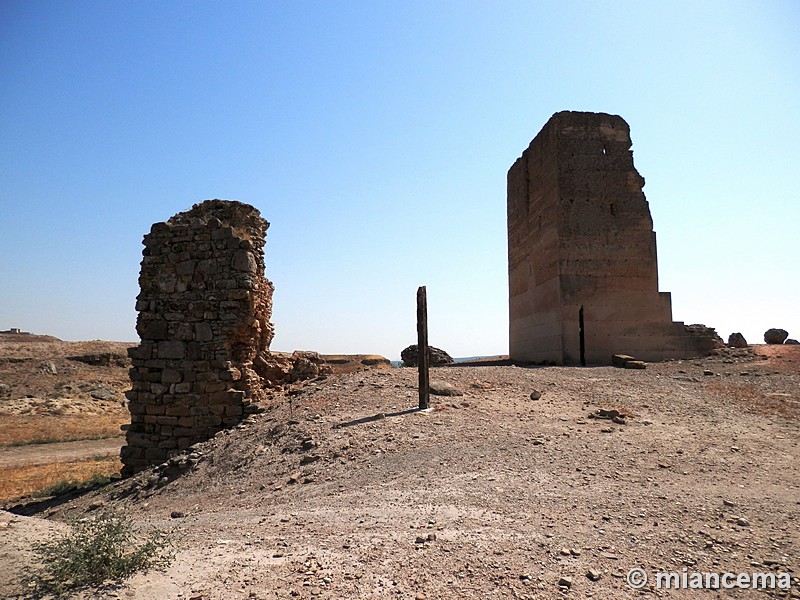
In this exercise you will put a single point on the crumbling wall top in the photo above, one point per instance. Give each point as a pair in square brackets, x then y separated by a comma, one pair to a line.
[231, 213]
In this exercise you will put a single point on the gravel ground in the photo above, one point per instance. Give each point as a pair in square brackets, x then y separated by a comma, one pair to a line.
[342, 490]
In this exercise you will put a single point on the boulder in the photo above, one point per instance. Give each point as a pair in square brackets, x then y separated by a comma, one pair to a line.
[438, 357]
[736, 340]
[49, 368]
[104, 392]
[791, 342]
[443, 388]
[775, 336]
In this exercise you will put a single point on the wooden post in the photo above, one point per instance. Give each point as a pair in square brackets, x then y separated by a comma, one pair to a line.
[423, 360]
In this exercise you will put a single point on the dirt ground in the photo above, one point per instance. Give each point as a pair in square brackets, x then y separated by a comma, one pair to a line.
[47, 377]
[43, 454]
[342, 490]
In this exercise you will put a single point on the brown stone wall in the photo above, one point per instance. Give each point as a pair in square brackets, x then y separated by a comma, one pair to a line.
[580, 234]
[204, 318]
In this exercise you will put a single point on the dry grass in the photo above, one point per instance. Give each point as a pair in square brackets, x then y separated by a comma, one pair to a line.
[18, 430]
[16, 482]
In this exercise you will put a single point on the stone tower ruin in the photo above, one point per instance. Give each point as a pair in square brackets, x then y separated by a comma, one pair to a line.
[204, 319]
[583, 275]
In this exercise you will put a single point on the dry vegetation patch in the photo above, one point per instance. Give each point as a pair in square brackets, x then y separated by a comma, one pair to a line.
[53, 392]
[18, 430]
[750, 398]
[44, 480]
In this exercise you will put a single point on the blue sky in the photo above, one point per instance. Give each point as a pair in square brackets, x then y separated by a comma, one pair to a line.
[375, 136]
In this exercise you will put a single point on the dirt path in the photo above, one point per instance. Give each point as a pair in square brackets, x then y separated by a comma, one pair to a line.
[42, 454]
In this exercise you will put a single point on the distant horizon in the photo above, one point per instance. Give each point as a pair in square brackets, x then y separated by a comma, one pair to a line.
[390, 358]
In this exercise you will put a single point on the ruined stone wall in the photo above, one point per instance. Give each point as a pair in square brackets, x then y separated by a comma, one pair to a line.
[580, 234]
[204, 318]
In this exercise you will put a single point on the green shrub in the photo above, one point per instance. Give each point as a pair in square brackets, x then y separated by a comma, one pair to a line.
[97, 552]
[97, 480]
[66, 486]
[57, 489]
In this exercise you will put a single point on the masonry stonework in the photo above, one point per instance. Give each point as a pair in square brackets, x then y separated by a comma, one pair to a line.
[204, 318]
[582, 251]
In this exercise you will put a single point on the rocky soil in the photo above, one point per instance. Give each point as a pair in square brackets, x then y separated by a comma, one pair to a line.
[342, 490]
[43, 375]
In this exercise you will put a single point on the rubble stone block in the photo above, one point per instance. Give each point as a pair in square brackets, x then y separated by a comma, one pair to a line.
[171, 376]
[620, 360]
[244, 261]
[143, 351]
[635, 364]
[154, 330]
[155, 454]
[208, 421]
[171, 349]
[203, 332]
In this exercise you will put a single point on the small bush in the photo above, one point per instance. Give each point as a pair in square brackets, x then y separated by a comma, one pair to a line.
[97, 552]
[66, 486]
[57, 489]
[56, 478]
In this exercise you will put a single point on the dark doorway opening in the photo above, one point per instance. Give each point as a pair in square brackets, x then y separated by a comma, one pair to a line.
[581, 334]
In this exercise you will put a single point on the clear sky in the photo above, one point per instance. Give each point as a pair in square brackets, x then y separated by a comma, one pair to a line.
[375, 136]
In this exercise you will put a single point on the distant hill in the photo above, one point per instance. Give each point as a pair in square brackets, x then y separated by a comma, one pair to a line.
[23, 336]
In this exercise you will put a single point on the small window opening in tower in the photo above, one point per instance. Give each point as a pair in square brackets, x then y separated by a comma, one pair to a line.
[604, 151]
[613, 209]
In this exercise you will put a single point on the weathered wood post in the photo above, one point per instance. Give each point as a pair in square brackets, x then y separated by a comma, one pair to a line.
[423, 360]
